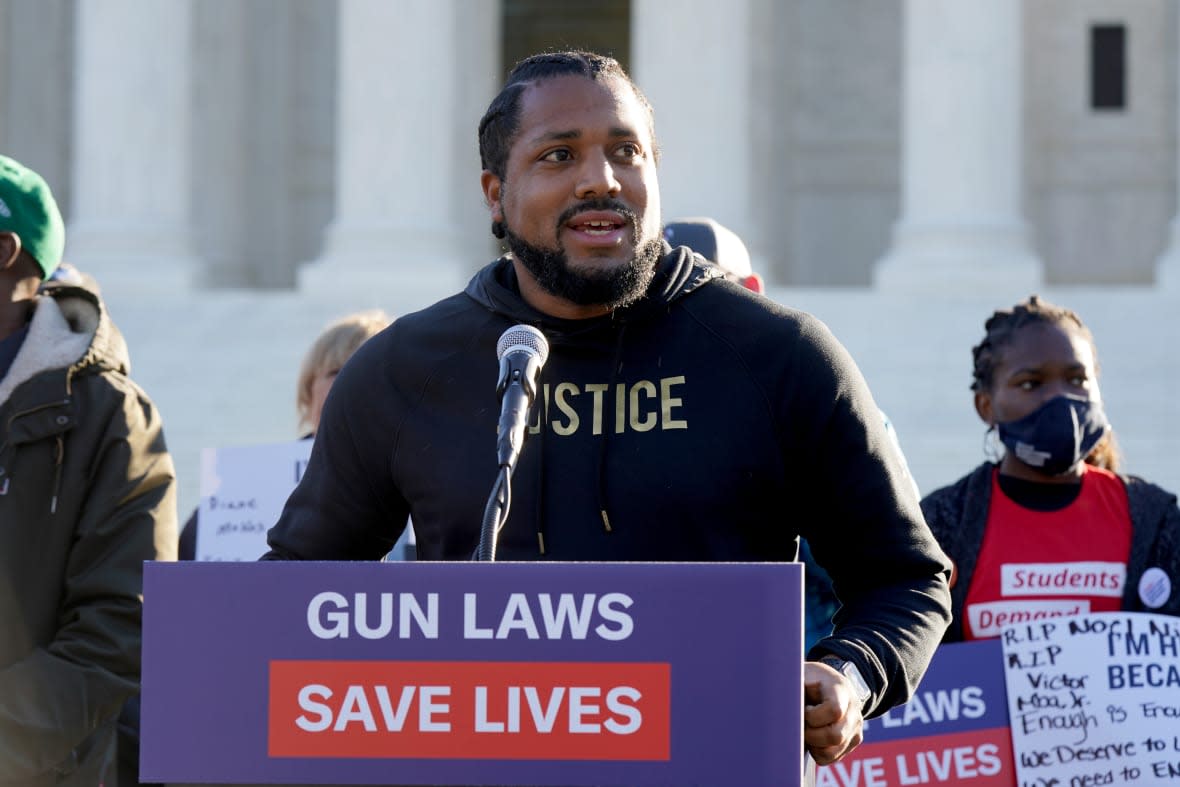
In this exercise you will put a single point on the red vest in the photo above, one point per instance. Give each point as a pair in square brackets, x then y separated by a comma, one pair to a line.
[1035, 565]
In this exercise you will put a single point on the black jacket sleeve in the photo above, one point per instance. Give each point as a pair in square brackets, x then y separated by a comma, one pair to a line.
[865, 526]
[346, 506]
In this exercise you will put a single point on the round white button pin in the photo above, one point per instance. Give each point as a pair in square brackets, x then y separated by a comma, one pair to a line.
[1155, 586]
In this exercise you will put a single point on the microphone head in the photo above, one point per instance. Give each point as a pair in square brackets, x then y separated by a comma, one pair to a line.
[523, 338]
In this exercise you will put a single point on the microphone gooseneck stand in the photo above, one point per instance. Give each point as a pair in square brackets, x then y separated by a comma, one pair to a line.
[522, 350]
[495, 514]
[514, 414]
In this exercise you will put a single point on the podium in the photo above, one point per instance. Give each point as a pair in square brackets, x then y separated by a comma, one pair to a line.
[472, 673]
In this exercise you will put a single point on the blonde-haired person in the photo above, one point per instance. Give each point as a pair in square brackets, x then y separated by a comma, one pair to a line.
[321, 363]
[326, 357]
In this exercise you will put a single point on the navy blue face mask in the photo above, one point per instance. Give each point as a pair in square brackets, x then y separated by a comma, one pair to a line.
[1057, 435]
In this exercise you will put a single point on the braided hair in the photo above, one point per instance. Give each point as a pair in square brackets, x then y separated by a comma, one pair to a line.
[498, 127]
[1001, 329]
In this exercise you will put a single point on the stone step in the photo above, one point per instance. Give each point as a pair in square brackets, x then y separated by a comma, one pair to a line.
[222, 365]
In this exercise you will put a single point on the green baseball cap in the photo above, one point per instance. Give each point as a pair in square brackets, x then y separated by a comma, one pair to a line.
[27, 208]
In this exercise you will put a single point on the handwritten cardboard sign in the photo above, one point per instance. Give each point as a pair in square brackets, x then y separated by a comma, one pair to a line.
[1095, 699]
[243, 490]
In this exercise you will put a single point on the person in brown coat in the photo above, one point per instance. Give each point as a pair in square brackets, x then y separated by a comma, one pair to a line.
[87, 493]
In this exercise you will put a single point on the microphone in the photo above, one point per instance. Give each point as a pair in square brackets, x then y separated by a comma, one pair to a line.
[522, 351]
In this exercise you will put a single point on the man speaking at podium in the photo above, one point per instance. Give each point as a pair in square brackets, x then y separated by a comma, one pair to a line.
[678, 417]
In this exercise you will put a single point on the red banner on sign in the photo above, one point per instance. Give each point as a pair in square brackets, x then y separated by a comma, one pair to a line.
[982, 758]
[471, 710]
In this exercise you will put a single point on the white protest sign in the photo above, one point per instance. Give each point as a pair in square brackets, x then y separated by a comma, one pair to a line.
[1095, 699]
[243, 489]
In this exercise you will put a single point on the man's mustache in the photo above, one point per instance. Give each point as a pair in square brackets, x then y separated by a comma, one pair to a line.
[603, 203]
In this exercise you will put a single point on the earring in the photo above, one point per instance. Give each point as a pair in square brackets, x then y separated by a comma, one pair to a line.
[992, 449]
[498, 229]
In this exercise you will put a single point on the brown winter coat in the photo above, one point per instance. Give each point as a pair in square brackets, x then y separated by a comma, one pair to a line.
[87, 493]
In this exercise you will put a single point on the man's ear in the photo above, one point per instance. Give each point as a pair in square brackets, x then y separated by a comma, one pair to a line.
[983, 406]
[9, 249]
[492, 186]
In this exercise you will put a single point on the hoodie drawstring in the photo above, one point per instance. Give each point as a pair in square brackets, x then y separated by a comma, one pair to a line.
[600, 478]
[615, 368]
[542, 416]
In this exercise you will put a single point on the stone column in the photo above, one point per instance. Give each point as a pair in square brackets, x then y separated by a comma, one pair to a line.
[37, 89]
[131, 208]
[1167, 267]
[961, 226]
[692, 58]
[395, 228]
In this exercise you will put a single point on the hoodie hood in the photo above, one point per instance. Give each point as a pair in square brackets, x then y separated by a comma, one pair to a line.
[679, 273]
[69, 331]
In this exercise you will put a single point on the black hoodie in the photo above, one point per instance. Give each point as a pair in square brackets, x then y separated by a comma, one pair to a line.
[703, 423]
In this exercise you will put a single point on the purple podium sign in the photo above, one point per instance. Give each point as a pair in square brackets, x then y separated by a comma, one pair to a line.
[954, 730]
[473, 673]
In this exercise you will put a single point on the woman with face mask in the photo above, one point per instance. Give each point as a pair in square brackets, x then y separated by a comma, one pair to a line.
[1048, 528]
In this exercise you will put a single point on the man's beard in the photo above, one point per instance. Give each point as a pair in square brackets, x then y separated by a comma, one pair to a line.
[613, 288]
